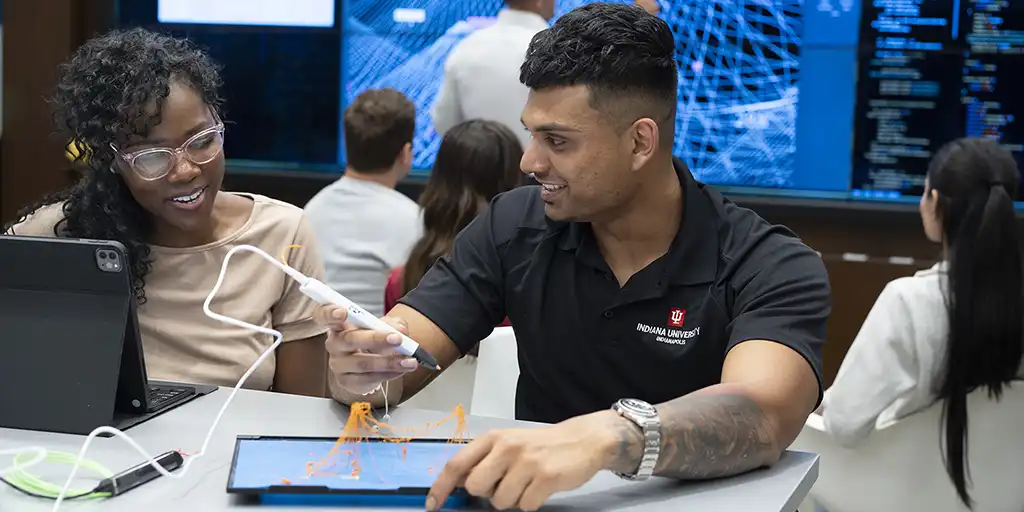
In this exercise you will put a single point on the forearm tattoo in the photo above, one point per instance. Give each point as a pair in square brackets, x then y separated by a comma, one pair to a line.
[704, 435]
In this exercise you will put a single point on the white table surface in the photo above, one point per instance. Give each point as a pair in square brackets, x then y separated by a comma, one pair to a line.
[777, 489]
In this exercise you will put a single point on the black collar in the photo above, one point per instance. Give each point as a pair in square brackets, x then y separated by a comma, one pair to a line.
[694, 254]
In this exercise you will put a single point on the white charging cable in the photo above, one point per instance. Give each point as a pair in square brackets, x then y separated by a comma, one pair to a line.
[294, 274]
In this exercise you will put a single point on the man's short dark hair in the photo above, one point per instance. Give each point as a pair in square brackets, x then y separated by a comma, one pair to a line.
[623, 54]
[378, 124]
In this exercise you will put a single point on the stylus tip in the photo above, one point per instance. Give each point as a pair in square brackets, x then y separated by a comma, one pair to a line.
[426, 360]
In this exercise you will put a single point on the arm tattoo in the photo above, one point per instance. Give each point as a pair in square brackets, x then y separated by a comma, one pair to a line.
[704, 435]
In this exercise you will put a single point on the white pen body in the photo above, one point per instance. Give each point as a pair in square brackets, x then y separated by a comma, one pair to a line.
[323, 294]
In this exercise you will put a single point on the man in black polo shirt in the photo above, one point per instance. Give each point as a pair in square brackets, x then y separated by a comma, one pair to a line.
[629, 284]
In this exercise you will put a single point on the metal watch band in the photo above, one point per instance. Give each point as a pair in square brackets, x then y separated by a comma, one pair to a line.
[645, 416]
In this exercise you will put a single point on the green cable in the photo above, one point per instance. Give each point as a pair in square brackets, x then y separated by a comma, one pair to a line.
[33, 485]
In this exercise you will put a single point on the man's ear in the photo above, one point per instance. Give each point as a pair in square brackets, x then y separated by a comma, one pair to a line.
[405, 156]
[644, 133]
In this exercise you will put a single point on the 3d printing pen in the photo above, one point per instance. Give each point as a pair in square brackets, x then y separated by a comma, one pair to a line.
[325, 295]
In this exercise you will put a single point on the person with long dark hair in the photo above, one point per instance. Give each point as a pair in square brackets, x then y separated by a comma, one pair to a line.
[476, 161]
[144, 112]
[948, 330]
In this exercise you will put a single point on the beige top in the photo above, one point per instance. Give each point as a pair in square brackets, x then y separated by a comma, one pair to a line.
[180, 342]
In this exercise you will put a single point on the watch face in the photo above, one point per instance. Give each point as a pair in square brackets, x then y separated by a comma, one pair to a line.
[638, 406]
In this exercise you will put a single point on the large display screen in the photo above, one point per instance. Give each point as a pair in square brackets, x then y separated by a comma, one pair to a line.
[281, 81]
[404, 43]
[293, 13]
[934, 71]
[835, 99]
[739, 79]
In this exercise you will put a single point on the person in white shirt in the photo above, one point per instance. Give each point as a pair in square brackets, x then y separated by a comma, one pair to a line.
[481, 75]
[364, 227]
[952, 328]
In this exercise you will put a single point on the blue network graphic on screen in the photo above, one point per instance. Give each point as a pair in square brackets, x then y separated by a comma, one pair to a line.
[379, 52]
[739, 75]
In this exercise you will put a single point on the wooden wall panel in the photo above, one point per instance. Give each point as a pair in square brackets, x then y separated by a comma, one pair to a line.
[855, 286]
[843, 237]
[38, 36]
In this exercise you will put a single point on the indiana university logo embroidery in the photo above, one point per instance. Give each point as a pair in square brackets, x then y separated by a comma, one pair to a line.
[676, 317]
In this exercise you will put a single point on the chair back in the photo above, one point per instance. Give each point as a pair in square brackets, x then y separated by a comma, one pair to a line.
[900, 467]
[452, 388]
[497, 374]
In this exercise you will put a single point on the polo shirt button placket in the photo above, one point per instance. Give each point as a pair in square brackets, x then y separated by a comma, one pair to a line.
[608, 313]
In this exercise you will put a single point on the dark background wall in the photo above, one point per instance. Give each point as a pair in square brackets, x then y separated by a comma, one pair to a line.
[40, 34]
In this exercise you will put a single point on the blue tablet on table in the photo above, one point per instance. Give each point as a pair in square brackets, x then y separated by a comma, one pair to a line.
[324, 471]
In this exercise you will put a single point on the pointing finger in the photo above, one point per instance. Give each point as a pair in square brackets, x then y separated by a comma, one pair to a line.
[457, 470]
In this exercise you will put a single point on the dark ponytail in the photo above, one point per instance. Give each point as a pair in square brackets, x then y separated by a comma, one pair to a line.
[477, 160]
[976, 180]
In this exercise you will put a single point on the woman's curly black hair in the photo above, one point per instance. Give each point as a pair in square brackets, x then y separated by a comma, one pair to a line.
[101, 99]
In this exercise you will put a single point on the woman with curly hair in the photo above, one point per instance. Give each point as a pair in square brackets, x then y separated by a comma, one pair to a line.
[144, 112]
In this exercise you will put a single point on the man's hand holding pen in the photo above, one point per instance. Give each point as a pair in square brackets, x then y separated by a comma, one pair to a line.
[360, 359]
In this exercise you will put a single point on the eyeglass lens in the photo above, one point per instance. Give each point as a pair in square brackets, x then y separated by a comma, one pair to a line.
[157, 163]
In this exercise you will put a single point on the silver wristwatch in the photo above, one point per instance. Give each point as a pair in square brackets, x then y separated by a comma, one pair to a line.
[646, 417]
